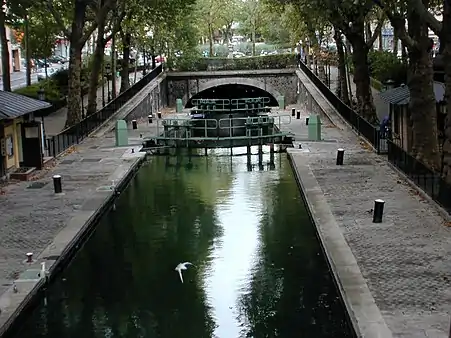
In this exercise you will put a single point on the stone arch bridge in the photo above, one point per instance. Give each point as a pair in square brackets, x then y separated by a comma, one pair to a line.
[276, 82]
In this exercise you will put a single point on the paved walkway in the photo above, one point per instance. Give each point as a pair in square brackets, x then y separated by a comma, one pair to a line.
[55, 122]
[381, 106]
[406, 260]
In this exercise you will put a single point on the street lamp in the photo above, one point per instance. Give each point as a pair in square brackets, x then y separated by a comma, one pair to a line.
[108, 73]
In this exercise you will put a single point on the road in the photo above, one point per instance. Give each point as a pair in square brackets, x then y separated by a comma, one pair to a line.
[19, 80]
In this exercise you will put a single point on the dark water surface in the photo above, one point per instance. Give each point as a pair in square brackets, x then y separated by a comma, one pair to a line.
[259, 268]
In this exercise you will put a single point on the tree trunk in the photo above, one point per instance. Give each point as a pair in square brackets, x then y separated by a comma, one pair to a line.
[342, 84]
[126, 42]
[74, 82]
[445, 43]
[368, 33]
[96, 68]
[6, 76]
[395, 43]
[364, 95]
[113, 67]
[422, 104]
[210, 40]
[253, 40]
[27, 49]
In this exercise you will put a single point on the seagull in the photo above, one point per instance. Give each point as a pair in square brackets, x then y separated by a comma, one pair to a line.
[182, 266]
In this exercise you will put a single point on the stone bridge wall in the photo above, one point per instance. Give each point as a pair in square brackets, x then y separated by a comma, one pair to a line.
[276, 82]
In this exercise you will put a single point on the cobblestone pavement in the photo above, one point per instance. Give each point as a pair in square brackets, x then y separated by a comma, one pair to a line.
[406, 260]
[32, 215]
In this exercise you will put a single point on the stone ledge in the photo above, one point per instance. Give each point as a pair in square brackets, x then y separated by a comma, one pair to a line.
[230, 73]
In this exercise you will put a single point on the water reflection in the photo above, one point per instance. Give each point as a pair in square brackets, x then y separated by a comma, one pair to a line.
[260, 271]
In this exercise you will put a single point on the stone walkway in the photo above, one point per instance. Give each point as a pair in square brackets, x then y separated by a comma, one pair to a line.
[406, 260]
[55, 122]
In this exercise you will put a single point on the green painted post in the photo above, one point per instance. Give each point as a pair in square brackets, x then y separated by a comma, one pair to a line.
[314, 128]
[121, 133]
[179, 105]
[281, 101]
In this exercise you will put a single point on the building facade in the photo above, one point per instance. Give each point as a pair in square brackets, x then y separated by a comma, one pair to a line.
[14, 53]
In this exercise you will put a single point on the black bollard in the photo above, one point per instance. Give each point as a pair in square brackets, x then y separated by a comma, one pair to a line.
[298, 114]
[150, 118]
[306, 121]
[378, 211]
[340, 156]
[293, 112]
[57, 186]
[159, 115]
[134, 124]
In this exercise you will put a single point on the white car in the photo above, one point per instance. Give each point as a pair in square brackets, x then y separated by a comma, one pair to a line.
[42, 75]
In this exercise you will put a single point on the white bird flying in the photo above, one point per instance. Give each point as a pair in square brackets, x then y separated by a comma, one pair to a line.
[182, 266]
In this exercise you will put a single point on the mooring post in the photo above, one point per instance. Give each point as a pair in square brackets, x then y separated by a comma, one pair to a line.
[340, 156]
[149, 118]
[29, 257]
[159, 114]
[134, 124]
[298, 115]
[306, 121]
[293, 112]
[57, 186]
[378, 211]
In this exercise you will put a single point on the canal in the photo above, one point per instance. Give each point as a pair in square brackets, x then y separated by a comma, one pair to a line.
[259, 269]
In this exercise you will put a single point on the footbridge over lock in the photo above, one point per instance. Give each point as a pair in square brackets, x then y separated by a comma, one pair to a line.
[278, 85]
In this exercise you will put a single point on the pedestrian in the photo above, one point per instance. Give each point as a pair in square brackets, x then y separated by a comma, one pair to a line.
[384, 127]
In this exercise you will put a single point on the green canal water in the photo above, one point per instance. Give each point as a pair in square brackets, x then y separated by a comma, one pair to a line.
[260, 271]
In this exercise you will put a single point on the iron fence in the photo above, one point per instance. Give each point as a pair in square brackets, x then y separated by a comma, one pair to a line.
[363, 127]
[76, 133]
[428, 180]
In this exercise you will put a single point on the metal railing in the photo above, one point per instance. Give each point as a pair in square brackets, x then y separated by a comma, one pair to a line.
[78, 132]
[428, 180]
[258, 126]
[363, 127]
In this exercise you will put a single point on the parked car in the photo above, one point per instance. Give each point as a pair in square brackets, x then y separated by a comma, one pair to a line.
[42, 75]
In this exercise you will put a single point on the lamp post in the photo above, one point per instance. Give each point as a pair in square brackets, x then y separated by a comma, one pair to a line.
[41, 97]
[108, 72]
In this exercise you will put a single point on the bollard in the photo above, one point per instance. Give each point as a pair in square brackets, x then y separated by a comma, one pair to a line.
[133, 150]
[58, 188]
[159, 114]
[29, 257]
[134, 124]
[150, 118]
[298, 115]
[140, 135]
[306, 121]
[293, 112]
[340, 156]
[378, 211]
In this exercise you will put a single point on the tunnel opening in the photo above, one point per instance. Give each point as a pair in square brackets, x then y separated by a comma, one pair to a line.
[231, 92]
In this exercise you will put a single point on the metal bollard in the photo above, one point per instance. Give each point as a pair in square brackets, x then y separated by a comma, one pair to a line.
[29, 257]
[306, 121]
[340, 156]
[293, 112]
[298, 115]
[378, 211]
[57, 186]
[150, 118]
[134, 124]
[159, 114]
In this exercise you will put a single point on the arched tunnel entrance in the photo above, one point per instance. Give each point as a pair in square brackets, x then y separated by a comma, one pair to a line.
[232, 92]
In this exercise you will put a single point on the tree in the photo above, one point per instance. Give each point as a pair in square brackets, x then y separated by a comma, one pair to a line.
[77, 27]
[252, 20]
[422, 105]
[6, 78]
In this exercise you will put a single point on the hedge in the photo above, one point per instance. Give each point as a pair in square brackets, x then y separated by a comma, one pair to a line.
[278, 61]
